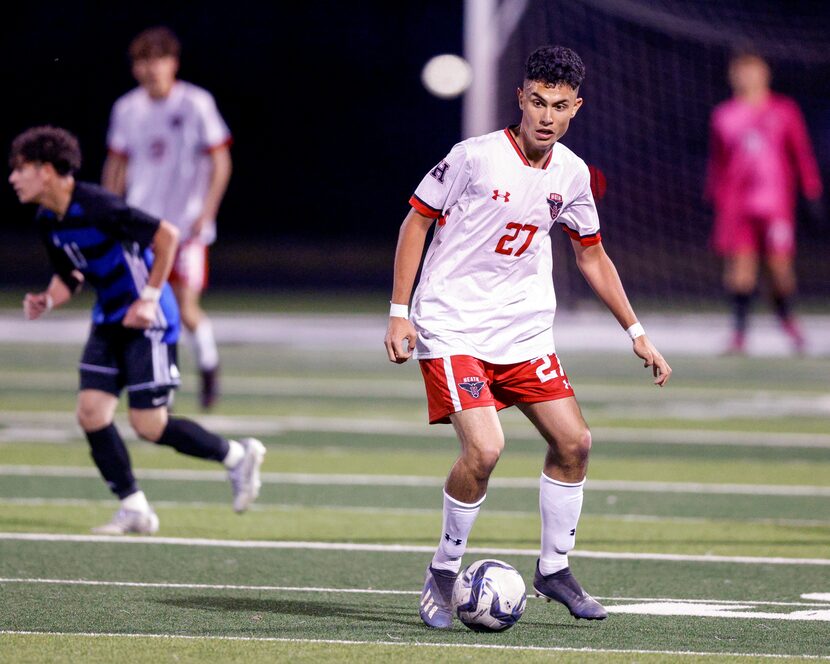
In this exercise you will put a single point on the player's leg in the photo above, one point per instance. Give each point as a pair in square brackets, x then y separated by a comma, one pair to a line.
[458, 392]
[100, 384]
[740, 278]
[188, 281]
[780, 251]
[560, 501]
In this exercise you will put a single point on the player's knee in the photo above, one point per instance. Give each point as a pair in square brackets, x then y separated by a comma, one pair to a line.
[148, 425]
[482, 459]
[575, 449]
[90, 417]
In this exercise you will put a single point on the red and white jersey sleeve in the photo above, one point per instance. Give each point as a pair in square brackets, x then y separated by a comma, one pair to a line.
[167, 144]
[486, 287]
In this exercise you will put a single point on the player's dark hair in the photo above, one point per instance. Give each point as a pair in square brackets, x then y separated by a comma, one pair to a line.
[47, 145]
[155, 42]
[553, 65]
[746, 51]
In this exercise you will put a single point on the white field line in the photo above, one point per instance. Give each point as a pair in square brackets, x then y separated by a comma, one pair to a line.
[336, 479]
[28, 422]
[417, 644]
[406, 387]
[370, 591]
[293, 507]
[397, 548]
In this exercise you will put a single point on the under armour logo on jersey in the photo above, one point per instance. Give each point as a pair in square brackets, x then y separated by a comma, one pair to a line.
[472, 385]
[496, 195]
[440, 171]
[457, 542]
[555, 205]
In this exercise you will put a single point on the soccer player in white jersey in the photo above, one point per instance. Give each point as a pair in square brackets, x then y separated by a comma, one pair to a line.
[169, 154]
[482, 317]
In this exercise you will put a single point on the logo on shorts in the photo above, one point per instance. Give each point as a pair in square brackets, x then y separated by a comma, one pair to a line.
[473, 385]
[555, 205]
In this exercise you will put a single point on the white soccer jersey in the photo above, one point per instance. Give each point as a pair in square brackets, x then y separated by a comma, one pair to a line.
[486, 288]
[167, 143]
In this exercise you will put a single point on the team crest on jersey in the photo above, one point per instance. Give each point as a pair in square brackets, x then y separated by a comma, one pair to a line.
[440, 171]
[176, 121]
[555, 205]
[473, 385]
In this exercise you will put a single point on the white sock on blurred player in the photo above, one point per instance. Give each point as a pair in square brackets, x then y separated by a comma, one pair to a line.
[234, 455]
[560, 504]
[458, 522]
[204, 346]
[136, 502]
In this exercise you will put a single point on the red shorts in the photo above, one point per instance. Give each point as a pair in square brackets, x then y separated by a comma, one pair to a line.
[190, 269]
[737, 234]
[461, 382]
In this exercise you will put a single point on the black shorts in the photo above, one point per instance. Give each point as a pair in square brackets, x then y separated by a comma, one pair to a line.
[116, 357]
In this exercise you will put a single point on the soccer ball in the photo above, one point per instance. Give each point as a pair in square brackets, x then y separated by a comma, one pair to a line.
[489, 596]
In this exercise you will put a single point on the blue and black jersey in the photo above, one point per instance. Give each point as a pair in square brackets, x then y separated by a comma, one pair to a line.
[109, 243]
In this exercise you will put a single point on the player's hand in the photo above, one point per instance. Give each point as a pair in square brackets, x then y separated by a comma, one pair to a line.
[400, 330]
[141, 314]
[645, 350]
[36, 304]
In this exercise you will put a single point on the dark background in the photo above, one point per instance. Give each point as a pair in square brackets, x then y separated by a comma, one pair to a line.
[333, 128]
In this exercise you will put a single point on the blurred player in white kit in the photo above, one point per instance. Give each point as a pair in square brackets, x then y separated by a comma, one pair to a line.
[482, 318]
[169, 155]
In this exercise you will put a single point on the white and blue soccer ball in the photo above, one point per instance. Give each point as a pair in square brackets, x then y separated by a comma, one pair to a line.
[489, 596]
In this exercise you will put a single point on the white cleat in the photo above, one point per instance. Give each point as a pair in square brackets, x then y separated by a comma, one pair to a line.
[130, 521]
[244, 476]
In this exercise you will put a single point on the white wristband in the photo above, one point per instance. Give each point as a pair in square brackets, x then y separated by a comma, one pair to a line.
[398, 310]
[150, 293]
[635, 331]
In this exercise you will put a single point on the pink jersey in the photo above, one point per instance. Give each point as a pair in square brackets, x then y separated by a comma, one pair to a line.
[758, 155]
[486, 288]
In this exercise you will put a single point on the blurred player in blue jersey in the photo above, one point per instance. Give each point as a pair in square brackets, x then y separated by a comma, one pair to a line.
[93, 237]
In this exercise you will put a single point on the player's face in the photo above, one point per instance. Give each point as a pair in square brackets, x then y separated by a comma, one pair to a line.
[546, 113]
[748, 75]
[30, 180]
[156, 75]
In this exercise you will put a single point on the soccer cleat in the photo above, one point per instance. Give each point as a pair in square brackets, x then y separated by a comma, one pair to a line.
[793, 331]
[130, 521]
[563, 587]
[737, 345]
[244, 476]
[209, 392]
[436, 598]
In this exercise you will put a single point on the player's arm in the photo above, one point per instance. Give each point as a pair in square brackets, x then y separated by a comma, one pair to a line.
[220, 175]
[57, 293]
[114, 175]
[142, 312]
[408, 254]
[600, 273]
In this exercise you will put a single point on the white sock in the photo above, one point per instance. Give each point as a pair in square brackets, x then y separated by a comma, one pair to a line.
[204, 345]
[136, 502]
[458, 522]
[234, 455]
[560, 504]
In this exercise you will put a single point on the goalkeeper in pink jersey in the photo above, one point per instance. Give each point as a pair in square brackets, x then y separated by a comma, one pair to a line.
[760, 155]
[482, 318]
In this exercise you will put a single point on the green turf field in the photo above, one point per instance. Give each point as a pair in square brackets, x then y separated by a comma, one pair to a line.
[705, 530]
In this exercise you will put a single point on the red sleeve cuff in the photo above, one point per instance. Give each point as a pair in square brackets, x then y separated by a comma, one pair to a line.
[423, 208]
[584, 240]
[224, 144]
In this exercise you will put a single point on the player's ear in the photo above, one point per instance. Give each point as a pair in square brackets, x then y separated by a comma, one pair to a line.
[520, 96]
[577, 105]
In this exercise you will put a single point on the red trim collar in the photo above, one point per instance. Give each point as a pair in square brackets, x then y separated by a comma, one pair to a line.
[521, 154]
